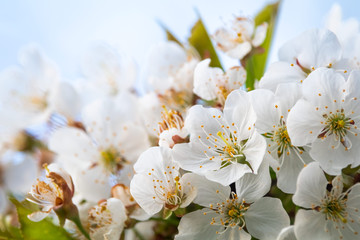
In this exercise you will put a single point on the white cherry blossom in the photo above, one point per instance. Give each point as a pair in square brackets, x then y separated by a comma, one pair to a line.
[332, 214]
[242, 36]
[107, 220]
[109, 147]
[158, 183]
[327, 118]
[223, 145]
[213, 84]
[226, 213]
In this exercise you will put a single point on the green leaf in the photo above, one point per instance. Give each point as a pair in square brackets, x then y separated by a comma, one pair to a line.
[43, 230]
[201, 41]
[256, 63]
[169, 35]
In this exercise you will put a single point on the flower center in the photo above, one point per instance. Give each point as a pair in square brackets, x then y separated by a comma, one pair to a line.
[176, 99]
[232, 150]
[170, 119]
[338, 125]
[334, 209]
[282, 139]
[99, 216]
[112, 160]
[230, 213]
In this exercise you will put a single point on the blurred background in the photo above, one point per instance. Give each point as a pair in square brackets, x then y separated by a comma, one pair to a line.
[66, 29]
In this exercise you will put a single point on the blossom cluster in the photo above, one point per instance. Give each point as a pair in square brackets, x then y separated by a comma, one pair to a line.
[199, 155]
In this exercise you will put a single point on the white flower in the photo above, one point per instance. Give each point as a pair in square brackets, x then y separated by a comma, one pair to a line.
[239, 40]
[113, 143]
[213, 84]
[52, 192]
[327, 118]
[300, 56]
[107, 220]
[17, 172]
[158, 184]
[170, 70]
[223, 145]
[25, 91]
[333, 214]
[226, 214]
[107, 72]
[272, 111]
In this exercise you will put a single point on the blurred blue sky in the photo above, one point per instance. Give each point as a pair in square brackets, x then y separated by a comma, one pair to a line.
[66, 29]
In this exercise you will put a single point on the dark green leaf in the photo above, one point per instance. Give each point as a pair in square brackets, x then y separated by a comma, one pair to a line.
[256, 63]
[43, 230]
[201, 41]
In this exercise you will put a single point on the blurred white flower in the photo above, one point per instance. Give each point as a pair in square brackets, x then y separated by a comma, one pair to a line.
[158, 184]
[107, 220]
[17, 173]
[223, 145]
[107, 73]
[333, 214]
[213, 84]
[227, 214]
[238, 40]
[112, 143]
[170, 70]
[327, 118]
[25, 91]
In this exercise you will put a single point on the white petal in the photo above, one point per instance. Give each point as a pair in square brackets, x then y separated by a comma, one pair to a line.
[354, 197]
[255, 150]
[189, 190]
[38, 216]
[238, 110]
[142, 189]
[287, 234]
[240, 51]
[323, 88]
[310, 225]
[266, 217]
[66, 101]
[20, 172]
[252, 187]
[196, 225]
[208, 192]
[304, 123]
[313, 48]
[193, 161]
[235, 78]
[199, 116]
[234, 234]
[290, 169]
[266, 108]
[75, 144]
[260, 34]
[205, 80]
[310, 187]
[281, 72]
[93, 183]
[287, 94]
[352, 91]
[332, 160]
[229, 174]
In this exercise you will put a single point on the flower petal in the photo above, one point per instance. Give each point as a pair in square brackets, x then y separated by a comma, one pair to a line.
[310, 187]
[265, 218]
